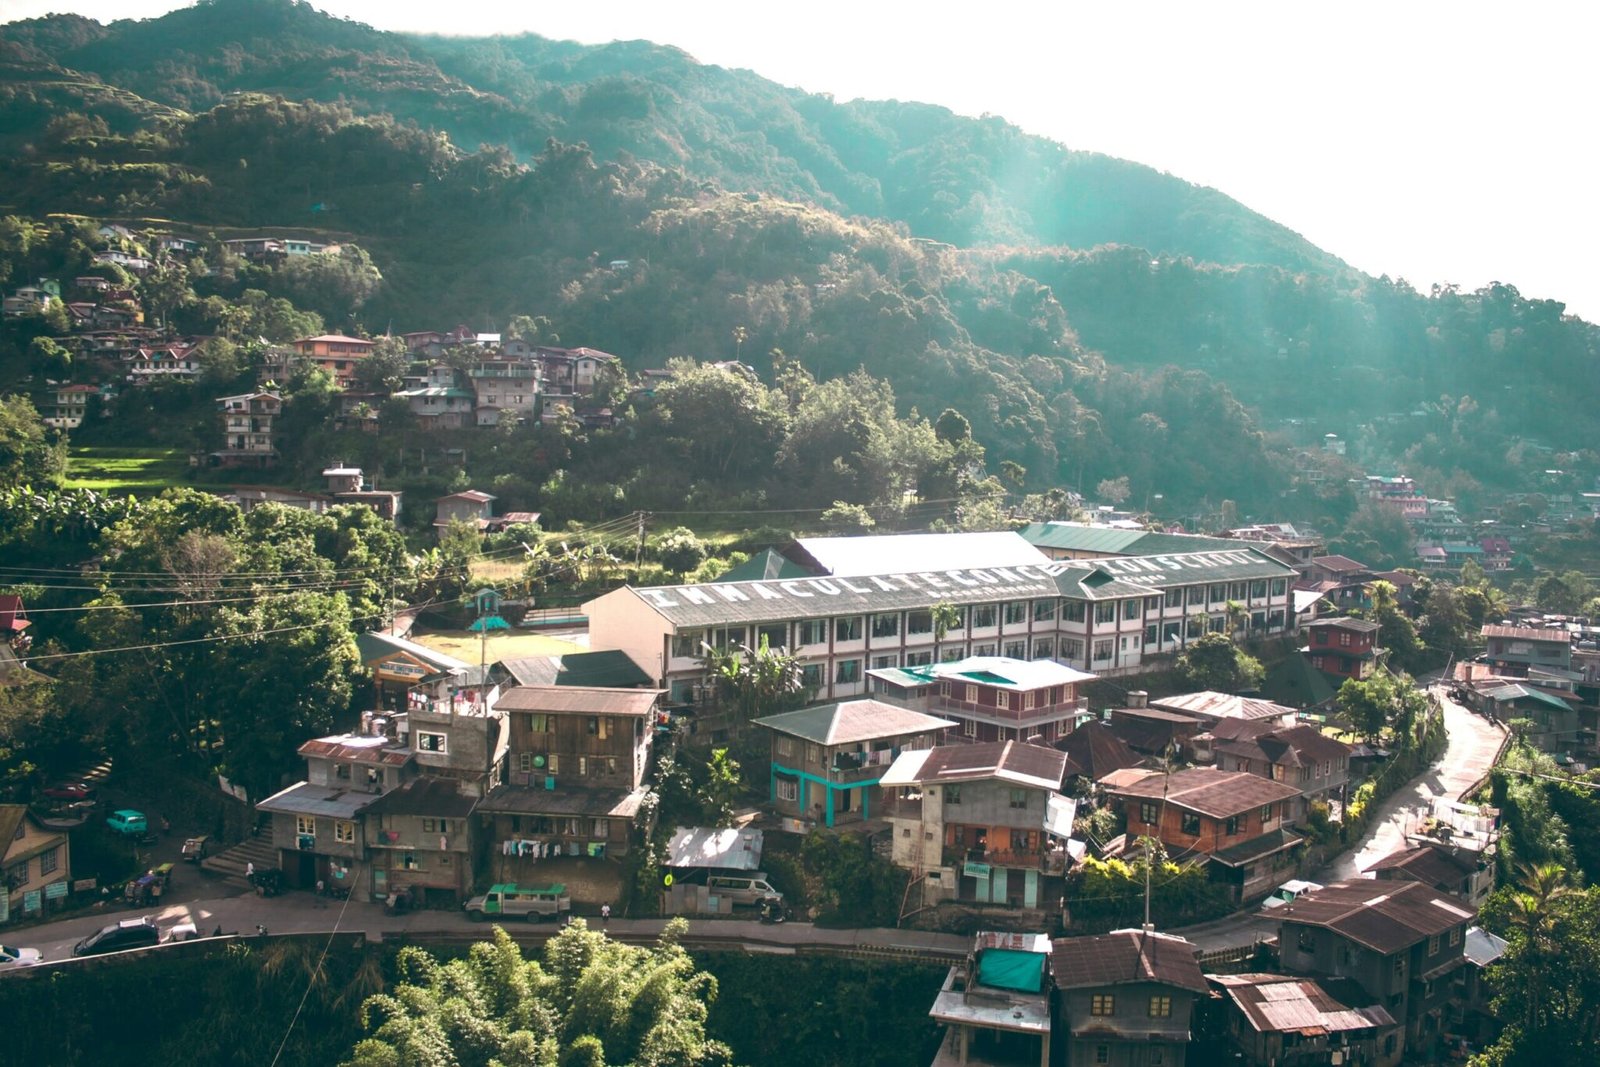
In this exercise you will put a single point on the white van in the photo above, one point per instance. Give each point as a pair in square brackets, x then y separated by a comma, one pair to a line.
[742, 888]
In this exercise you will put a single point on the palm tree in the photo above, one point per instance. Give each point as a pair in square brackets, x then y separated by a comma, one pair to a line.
[946, 617]
[1238, 615]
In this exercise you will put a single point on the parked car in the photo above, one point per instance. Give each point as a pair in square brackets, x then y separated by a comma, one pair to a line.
[130, 822]
[129, 933]
[194, 849]
[1288, 891]
[69, 791]
[12, 957]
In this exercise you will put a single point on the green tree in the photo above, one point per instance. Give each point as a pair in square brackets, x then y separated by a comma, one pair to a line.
[946, 617]
[720, 791]
[384, 368]
[1562, 594]
[1214, 662]
[1547, 984]
[680, 551]
[754, 682]
[27, 455]
[587, 1002]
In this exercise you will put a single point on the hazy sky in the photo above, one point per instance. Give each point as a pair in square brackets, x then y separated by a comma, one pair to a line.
[1435, 142]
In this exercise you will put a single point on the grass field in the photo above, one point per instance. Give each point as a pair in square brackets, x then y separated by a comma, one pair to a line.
[126, 470]
[464, 646]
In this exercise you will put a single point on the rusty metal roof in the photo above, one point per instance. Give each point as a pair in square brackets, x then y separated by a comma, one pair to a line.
[1126, 956]
[1209, 791]
[1276, 1003]
[579, 700]
[1385, 916]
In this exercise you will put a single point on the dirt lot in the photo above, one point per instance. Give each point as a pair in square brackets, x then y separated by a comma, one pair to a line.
[510, 644]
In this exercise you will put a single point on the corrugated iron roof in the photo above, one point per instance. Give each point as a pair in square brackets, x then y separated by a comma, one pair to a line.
[721, 603]
[579, 700]
[358, 748]
[1209, 791]
[1213, 705]
[1527, 633]
[1385, 916]
[852, 721]
[1007, 761]
[1275, 1003]
[1125, 956]
[1081, 537]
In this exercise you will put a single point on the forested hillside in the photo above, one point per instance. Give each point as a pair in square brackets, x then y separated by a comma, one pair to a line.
[1089, 318]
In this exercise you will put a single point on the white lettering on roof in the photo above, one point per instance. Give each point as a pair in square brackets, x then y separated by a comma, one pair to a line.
[1005, 574]
[765, 593]
[794, 589]
[657, 597]
[853, 588]
[730, 593]
[886, 584]
[985, 577]
[955, 576]
[696, 596]
[1028, 572]
[822, 585]
[933, 580]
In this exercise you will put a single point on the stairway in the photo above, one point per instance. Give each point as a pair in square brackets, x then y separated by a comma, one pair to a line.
[231, 862]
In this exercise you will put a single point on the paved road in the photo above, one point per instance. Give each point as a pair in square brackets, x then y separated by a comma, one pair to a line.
[1473, 742]
[303, 913]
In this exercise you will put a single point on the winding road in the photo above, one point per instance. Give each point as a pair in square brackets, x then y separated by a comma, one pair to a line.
[1473, 744]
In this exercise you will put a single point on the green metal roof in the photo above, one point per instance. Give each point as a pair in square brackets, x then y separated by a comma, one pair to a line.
[1072, 537]
[766, 565]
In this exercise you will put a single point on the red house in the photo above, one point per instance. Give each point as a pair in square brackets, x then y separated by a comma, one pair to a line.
[1344, 647]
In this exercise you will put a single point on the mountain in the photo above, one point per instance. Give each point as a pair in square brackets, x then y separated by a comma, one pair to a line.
[1090, 317]
[948, 178]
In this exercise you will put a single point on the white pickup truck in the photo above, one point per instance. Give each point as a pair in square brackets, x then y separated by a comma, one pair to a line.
[511, 901]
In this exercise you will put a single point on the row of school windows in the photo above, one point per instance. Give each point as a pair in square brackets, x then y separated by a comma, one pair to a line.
[886, 625]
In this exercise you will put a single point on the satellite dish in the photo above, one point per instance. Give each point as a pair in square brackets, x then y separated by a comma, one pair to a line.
[538, 761]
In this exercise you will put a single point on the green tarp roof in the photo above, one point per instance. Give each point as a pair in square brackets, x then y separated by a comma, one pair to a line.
[1008, 968]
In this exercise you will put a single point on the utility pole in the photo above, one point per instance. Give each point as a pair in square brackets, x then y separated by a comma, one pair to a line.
[638, 548]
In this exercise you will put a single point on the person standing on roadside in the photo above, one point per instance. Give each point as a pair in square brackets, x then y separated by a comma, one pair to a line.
[605, 914]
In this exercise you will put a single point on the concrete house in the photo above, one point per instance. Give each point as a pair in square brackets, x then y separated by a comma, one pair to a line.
[827, 761]
[335, 353]
[316, 823]
[1402, 942]
[1126, 999]
[982, 823]
[991, 698]
[247, 429]
[1514, 649]
[995, 1005]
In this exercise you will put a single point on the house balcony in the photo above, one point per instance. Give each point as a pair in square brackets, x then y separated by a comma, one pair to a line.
[1050, 862]
[937, 705]
[853, 768]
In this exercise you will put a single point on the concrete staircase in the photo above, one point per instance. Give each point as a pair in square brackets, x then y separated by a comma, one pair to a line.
[231, 862]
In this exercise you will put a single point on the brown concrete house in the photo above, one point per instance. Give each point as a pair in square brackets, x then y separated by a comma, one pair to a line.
[577, 763]
[1126, 998]
[982, 823]
[827, 761]
[1402, 942]
[1277, 1020]
[1243, 822]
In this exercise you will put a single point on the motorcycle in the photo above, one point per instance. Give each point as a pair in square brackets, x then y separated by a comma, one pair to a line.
[771, 910]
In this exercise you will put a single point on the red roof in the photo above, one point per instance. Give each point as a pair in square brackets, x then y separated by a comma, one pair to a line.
[12, 615]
